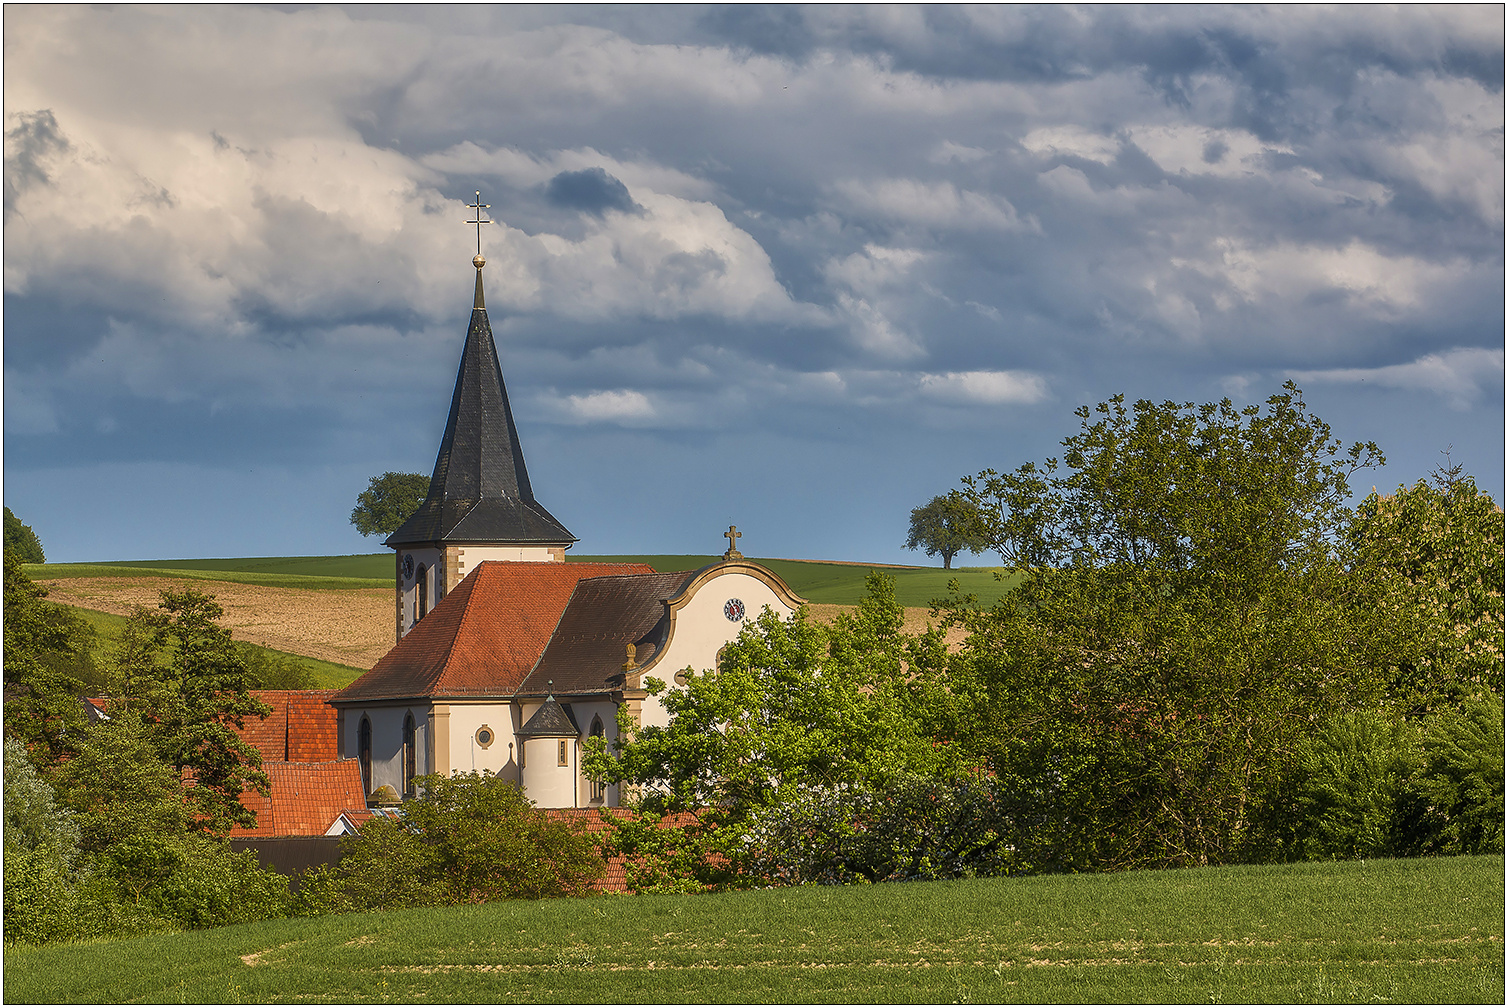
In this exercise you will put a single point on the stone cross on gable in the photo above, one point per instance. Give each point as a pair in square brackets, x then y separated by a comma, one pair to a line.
[733, 535]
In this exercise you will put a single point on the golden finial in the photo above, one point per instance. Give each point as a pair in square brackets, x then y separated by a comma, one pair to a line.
[632, 663]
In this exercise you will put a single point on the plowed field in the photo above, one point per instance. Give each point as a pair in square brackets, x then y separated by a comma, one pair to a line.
[350, 626]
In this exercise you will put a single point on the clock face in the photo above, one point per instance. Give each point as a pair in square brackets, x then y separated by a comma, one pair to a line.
[734, 609]
[408, 565]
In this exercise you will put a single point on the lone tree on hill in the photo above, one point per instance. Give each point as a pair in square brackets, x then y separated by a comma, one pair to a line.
[21, 543]
[388, 501]
[947, 524]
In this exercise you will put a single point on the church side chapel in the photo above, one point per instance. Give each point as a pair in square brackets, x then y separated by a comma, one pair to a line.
[508, 658]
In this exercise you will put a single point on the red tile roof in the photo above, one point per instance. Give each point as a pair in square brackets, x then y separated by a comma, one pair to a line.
[301, 727]
[484, 636]
[304, 799]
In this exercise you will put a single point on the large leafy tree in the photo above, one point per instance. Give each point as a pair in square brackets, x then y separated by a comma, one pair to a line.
[47, 660]
[1439, 543]
[948, 525]
[183, 676]
[793, 705]
[388, 501]
[1188, 607]
[21, 542]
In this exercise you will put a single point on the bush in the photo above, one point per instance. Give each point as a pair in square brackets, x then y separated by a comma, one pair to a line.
[914, 829]
[1371, 784]
[470, 838]
[1353, 788]
[1459, 781]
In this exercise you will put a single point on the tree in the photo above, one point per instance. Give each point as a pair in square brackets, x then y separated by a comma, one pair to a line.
[1188, 606]
[21, 542]
[47, 657]
[184, 677]
[792, 705]
[947, 524]
[1440, 543]
[388, 501]
[471, 838]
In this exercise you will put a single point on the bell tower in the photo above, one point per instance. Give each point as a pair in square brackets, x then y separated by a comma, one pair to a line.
[480, 505]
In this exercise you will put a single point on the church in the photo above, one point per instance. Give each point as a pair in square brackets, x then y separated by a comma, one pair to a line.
[509, 657]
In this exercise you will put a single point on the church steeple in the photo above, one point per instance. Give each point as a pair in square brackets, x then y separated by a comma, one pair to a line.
[479, 491]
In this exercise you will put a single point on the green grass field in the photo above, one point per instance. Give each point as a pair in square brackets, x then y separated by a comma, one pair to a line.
[840, 584]
[326, 675]
[1429, 930]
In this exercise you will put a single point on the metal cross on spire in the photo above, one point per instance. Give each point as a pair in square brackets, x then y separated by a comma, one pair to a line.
[479, 206]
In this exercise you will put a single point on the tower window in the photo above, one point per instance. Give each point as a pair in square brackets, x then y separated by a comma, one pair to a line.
[421, 609]
[564, 753]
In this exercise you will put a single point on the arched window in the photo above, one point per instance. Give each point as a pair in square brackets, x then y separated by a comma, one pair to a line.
[421, 609]
[410, 754]
[598, 790]
[364, 754]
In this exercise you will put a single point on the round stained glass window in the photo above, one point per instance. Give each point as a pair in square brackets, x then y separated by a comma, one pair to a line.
[484, 736]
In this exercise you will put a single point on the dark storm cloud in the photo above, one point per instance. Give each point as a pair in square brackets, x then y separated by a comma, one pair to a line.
[590, 190]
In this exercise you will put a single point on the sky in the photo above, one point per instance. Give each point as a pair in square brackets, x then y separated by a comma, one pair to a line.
[798, 269]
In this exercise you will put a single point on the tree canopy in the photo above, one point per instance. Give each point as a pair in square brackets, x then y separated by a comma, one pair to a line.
[388, 501]
[1439, 543]
[21, 542]
[1188, 608]
[948, 524]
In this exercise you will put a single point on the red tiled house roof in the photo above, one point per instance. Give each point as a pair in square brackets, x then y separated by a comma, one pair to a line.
[482, 638]
[301, 727]
[304, 799]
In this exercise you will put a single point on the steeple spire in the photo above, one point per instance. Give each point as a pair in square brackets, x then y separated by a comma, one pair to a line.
[480, 491]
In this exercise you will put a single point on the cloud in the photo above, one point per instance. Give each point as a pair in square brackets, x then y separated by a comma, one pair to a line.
[984, 388]
[940, 205]
[620, 406]
[591, 190]
[1459, 376]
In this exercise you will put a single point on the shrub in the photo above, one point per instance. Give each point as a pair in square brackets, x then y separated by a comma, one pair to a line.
[470, 838]
[1353, 779]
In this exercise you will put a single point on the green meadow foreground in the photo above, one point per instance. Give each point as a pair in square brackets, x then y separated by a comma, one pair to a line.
[1428, 930]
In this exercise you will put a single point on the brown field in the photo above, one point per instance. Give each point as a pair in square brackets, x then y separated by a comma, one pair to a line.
[348, 626]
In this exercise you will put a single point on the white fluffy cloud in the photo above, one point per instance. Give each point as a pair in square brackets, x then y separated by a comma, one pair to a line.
[984, 388]
[1459, 376]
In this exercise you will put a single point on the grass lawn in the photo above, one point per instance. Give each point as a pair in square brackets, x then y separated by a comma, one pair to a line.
[326, 675]
[1429, 930]
[840, 584]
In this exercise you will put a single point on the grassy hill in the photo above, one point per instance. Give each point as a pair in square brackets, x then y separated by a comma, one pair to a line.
[835, 583]
[325, 675]
[1428, 930]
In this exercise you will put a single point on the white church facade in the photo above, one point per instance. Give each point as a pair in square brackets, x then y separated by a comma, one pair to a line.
[508, 658]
